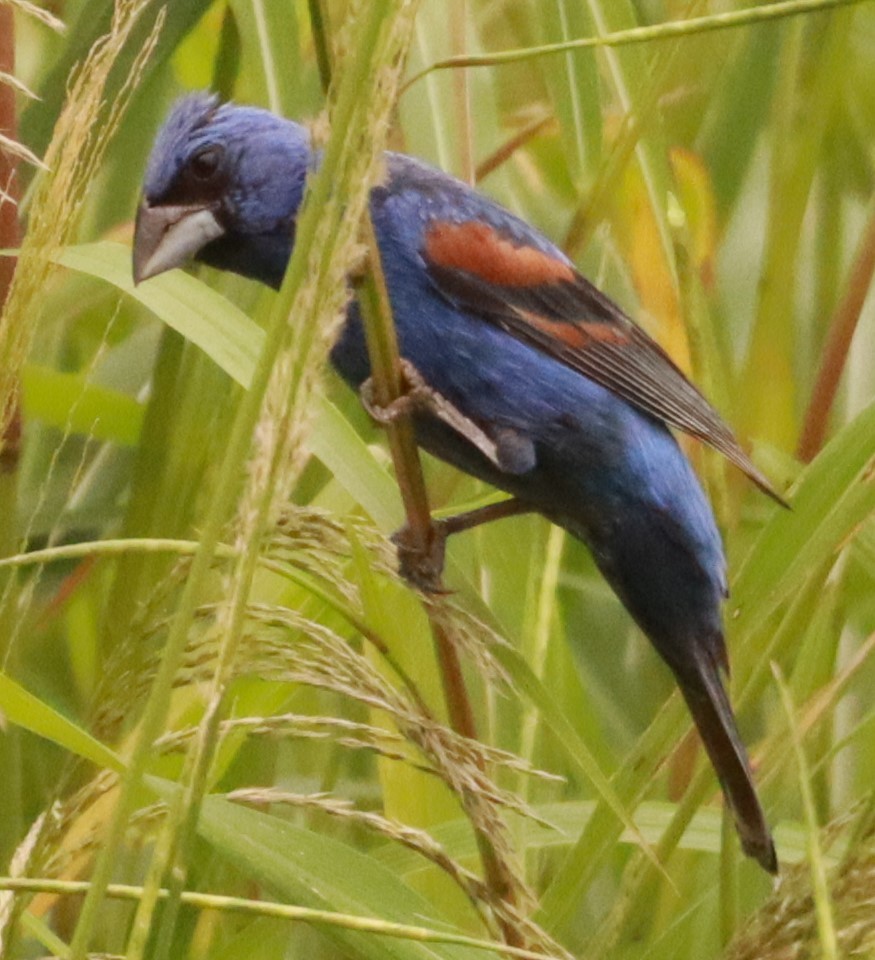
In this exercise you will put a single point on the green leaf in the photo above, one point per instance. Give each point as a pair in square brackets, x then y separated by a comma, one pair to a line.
[24, 709]
[835, 494]
[203, 316]
[231, 339]
[67, 401]
[563, 821]
[577, 751]
[317, 871]
[335, 442]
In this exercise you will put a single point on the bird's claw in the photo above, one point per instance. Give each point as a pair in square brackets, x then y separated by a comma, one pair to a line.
[419, 397]
[421, 565]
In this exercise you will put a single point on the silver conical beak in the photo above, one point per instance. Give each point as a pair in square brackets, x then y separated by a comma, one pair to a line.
[168, 236]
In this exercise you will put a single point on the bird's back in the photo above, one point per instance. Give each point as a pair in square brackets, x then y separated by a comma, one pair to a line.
[609, 473]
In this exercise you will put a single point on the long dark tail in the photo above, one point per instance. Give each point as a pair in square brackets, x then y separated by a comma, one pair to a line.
[712, 712]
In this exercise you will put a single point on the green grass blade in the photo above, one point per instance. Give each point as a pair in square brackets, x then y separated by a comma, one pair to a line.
[316, 871]
[27, 711]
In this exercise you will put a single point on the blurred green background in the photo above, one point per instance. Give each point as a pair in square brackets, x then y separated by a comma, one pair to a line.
[718, 185]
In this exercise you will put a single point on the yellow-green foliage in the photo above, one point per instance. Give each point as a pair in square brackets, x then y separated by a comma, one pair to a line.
[215, 683]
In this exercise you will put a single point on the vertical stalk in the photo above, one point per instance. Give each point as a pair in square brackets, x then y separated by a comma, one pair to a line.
[228, 486]
[321, 43]
[841, 329]
[811, 72]
[386, 373]
[462, 94]
[10, 238]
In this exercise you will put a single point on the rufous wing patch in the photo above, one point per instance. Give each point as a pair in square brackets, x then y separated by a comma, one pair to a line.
[575, 336]
[602, 332]
[480, 249]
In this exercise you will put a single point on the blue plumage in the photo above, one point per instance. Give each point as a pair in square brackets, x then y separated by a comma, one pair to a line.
[498, 322]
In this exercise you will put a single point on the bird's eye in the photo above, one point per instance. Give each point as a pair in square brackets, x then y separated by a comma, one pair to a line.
[205, 163]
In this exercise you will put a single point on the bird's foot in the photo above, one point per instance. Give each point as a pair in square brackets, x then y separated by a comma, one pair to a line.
[419, 397]
[423, 565]
[409, 401]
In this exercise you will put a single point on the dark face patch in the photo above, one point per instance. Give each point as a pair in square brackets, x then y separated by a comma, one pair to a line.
[203, 179]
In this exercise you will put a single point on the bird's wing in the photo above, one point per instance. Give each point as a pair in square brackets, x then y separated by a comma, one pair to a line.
[542, 300]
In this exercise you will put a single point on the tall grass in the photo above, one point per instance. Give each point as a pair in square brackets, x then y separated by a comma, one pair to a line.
[218, 685]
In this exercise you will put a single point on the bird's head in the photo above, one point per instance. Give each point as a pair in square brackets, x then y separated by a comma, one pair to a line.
[223, 185]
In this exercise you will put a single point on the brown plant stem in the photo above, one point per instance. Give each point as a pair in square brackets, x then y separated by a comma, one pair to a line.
[12, 826]
[388, 387]
[539, 125]
[387, 382]
[462, 94]
[498, 875]
[384, 356]
[842, 325]
[10, 229]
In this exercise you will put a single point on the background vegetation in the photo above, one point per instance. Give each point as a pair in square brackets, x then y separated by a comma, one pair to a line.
[214, 682]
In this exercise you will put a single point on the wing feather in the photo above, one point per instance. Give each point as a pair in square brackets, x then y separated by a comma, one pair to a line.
[541, 300]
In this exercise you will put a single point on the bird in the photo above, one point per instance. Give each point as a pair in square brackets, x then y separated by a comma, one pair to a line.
[543, 386]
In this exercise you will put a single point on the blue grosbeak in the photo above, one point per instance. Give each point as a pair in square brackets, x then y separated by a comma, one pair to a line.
[554, 394]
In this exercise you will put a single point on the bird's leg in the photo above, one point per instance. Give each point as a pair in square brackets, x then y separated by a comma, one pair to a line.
[424, 568]
[508, 452]
[419, 397]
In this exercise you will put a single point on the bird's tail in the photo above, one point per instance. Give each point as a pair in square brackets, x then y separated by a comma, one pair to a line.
[712, 713]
